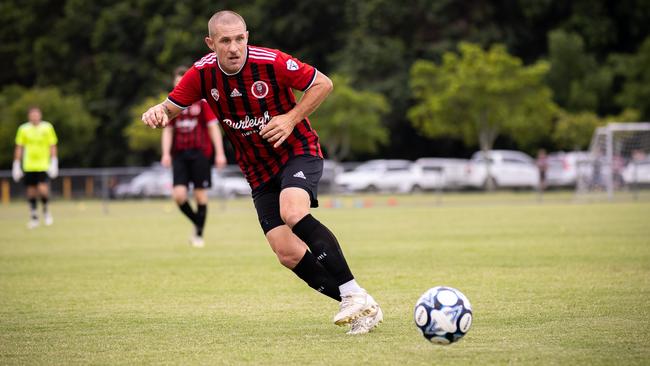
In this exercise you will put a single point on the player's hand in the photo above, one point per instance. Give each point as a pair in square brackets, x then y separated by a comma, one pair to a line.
[16, 171]
[278, 129]
[166, 160]
[53, 170]
[156, 116]
[220, 161]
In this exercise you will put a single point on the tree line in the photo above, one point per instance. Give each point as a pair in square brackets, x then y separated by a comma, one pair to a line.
[423, 78]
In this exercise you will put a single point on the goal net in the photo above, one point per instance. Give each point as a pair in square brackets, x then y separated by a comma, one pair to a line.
[618, 160]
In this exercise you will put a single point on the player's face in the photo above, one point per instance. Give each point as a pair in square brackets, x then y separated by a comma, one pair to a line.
[229, 42]
[34, 116]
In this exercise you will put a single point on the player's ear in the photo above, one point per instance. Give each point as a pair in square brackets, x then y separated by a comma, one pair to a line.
[210, 43]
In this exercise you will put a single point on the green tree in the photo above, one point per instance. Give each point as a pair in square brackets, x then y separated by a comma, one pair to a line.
[479, 94]
[578, 82]
[573, 131]
[142, 139]
[349, 120]
[635, 69]
[74, 126]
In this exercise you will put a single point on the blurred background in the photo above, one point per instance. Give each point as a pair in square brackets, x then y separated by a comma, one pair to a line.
[434, 95]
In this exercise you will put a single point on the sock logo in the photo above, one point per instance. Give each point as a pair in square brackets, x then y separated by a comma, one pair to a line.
[320, 289]
[300, 174]
[321, 256]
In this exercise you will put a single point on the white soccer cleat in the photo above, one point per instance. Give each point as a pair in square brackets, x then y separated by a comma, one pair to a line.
[48, 219]
[197, 241]
[32, 223]
[354, 306]
[366, 324]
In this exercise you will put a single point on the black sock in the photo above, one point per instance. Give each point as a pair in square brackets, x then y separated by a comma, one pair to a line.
[32, 208]
[187, 210]
[44, 202]
[325, 247]
[312, 272]
[201, 213]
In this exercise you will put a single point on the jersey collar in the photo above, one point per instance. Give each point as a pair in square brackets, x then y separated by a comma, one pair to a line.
[238, 71]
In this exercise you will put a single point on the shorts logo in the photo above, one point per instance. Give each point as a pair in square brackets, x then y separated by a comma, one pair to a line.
[292, 65]
[300, 174]
[215, 94]
[260, 89]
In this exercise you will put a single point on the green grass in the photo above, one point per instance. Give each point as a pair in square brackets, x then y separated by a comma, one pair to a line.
[551, 283]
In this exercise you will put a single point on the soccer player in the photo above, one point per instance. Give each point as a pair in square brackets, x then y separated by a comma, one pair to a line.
[187, 146]
[36, 149]
[250, 90]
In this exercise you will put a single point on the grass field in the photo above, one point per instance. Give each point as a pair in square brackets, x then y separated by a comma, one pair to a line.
[550, 283]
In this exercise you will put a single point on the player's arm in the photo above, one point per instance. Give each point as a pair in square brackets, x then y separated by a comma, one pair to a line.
[166, 146]
[280, 127]
[160, 114]
[215, 135]
[53, 170]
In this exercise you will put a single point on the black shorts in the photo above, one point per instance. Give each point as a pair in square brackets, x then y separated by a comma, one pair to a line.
[302, 171]
[34, 178]
[192, 166]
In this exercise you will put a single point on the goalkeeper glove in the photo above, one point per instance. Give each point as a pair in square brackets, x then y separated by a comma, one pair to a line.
[16, 171]
[53, 171]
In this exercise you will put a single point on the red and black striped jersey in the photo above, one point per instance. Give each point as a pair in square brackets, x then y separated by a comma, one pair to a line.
[245, 102]
[191, 129]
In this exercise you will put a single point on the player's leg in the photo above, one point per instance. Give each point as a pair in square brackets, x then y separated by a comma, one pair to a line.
[43, 188]
[32, 194]
[181, 178]
[299, 190]
[201, 177]
[291, 251]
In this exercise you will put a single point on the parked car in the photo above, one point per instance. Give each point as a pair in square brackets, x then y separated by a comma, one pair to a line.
[380, 176]
[229, 182]
[508, 168]
[566, 168]
[450, 173]
[331, 170]
[637, 172]
[154, 182]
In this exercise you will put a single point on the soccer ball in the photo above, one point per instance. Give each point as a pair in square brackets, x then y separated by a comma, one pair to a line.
[443, 315]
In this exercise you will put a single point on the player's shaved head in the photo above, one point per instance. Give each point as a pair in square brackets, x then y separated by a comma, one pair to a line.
[224, 17]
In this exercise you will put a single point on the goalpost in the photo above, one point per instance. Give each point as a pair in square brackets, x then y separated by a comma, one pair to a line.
[618, 157]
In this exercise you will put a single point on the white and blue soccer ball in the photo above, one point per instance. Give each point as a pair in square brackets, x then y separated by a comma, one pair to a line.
[443, 315]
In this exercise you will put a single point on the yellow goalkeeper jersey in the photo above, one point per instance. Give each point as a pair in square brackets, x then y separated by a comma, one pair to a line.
[36, 141]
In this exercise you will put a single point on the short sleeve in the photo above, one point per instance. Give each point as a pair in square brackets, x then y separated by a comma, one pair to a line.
[51, 136]
[208, 114]
[295, 73]
[188, 90]
[20, 136]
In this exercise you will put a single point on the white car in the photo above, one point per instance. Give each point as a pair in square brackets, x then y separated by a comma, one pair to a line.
[565, 169]
[637, 172]
[229, 182]
[380, 176]
[508, 168]
[154, 182]
[447, 173]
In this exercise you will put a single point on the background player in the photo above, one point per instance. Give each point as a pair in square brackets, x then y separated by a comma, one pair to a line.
[250, 90]
[36, 149]
[187, 146]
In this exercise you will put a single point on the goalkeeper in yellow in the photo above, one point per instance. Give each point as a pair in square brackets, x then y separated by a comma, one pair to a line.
[35, 160]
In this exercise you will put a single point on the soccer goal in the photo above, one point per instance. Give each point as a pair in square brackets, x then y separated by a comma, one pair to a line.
[618, 160]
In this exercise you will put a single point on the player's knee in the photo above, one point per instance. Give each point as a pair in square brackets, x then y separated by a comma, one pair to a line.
[180, 196]
[292, 215]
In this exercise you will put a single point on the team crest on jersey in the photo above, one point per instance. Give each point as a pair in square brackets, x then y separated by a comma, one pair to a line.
[292, 65]
[215, 94]
[260, 89]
